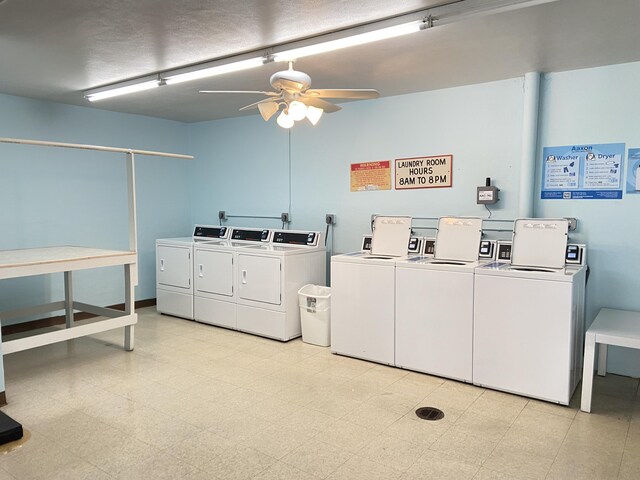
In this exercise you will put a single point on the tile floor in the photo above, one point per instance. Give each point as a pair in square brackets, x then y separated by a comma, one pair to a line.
[199, 402]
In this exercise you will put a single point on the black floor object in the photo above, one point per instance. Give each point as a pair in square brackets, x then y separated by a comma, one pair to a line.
[10, 430]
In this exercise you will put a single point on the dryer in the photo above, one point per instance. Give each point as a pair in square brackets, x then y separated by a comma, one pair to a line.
[269, 277]
[174, 270]
[215, 294]
[434, 302]
[529, 314]
[362, 294]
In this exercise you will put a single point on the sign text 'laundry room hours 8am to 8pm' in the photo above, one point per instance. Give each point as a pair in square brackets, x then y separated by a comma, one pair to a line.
[423, 172]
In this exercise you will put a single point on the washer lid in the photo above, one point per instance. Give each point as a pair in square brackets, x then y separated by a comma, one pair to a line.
[458, 238]
[390, 236]
[539, 242]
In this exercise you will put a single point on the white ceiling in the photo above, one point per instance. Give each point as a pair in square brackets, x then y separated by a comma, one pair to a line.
[54, 50]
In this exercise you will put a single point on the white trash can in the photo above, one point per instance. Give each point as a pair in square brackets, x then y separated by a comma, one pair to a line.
[315, 314]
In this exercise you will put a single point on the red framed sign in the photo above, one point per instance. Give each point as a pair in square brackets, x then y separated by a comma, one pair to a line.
[371, 176]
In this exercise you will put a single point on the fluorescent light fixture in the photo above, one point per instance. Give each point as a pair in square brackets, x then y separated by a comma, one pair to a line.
[404, 24]
[359, 35]
[202, 71]
[352, 41]
[123, 88]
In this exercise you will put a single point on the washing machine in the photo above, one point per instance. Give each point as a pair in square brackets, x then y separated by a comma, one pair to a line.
[174, 270]
[362, 294]
[215, 292]
[434, 303]
[529, 314]
[269, 277]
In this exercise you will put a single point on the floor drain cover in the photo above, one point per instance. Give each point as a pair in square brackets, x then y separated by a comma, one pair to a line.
[429, 413]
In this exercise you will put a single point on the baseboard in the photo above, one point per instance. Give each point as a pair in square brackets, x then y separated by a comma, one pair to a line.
[60, 320]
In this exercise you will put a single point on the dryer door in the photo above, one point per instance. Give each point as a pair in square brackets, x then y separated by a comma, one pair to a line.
[214, 272]
[173, 266]
[259, 278]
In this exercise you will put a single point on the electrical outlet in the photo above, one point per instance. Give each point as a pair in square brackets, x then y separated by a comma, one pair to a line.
[284, 217]
[222, 215]
[573, 223]
[330, 219]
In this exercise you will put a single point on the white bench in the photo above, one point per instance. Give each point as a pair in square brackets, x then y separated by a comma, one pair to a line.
[611, 327]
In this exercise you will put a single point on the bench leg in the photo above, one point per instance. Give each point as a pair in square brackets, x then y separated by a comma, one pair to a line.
[68, 299]
[129, 306]
[587, 372]
[602, 359]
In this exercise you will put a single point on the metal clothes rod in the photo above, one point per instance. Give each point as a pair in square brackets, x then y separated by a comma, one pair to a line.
[484, 229]
[254, 216]
[40, 143]
[486, 219]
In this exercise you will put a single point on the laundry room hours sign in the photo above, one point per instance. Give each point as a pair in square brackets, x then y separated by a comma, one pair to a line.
[423, 172]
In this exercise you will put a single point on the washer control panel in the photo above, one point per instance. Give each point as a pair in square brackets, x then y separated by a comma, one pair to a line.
[309, 239]
[487, 249]
[576, 254]
[504, 251]
[366, 243]
[429, 249]
[207, 231]
[415, 244]
[250, 235]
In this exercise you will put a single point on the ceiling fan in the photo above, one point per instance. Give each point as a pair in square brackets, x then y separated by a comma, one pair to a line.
[299, 101]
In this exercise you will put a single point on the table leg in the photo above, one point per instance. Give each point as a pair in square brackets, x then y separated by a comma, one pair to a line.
[3, 396]
[129, 306]
[587, 372]
[602, 359]
[68, 299]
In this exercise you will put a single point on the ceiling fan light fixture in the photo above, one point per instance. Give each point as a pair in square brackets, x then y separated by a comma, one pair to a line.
[297, 110]
[268, 109]
[314, 114]
[284, 120]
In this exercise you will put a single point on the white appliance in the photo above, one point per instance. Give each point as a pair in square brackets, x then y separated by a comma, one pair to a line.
[269, 277]
[529, 314]
[434, 302]
[174, 270]
[362, 294]
[215, 294]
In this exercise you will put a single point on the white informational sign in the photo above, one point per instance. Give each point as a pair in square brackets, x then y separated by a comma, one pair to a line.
[583, 171]
[424, 172]
[633, 171]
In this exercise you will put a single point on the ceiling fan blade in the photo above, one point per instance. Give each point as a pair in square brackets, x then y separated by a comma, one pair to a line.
[258, 103]
[268, 109]
[318, 103]
[343, 93]
[270, 94]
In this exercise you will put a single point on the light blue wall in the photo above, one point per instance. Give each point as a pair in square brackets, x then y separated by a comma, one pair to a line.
[599, 105]
[242, 164]
[54, 196]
